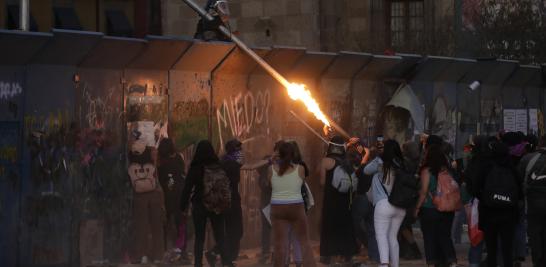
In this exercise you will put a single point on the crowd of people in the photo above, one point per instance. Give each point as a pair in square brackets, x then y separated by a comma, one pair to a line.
[372, 198]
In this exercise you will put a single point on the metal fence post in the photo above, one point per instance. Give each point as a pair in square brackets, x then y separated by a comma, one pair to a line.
[24, 7]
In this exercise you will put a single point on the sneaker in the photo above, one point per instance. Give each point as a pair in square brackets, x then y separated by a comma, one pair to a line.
[211, 258]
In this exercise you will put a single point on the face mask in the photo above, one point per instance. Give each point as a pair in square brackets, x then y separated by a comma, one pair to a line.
[239, 157]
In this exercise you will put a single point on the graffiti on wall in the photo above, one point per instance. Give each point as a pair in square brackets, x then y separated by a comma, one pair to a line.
[98, 108]
[491, 113]
[75, 168]
[251, 207]
[9, 90]
[9, 154]
[339, 111]
[46, 123]
[189, 122]
[147, 109]
[49, 153]
[241, 115]
[443, 121]
[364, 119]
[48, 138]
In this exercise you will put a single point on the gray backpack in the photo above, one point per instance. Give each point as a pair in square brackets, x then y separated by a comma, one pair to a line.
[344, 182]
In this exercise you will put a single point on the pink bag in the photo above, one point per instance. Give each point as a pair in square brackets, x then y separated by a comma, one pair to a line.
[448, 195]
[474, 233]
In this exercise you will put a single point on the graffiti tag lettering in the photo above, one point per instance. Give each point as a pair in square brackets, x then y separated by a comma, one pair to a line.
[241, 113]
[51, 122]
[8, 153]
[9, 90]
[100, 112]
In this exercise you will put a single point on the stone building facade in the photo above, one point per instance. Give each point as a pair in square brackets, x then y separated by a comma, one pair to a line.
[410, 26]
[376, 26]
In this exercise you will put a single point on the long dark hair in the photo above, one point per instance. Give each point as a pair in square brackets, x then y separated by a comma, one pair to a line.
[435, 159]
[278, 145]
[286, 157]
[204, 154]
[165, 149]
[392, 158]
[297, 153]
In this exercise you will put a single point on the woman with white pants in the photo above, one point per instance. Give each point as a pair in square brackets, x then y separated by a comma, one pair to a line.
[387, 218]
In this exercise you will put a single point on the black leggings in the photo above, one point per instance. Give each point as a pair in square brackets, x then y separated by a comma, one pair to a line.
[436, 228]
[503, 230]
[200, 215]
[234, 231]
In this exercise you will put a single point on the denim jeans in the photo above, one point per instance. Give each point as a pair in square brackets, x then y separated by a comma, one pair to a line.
[475, 255]
[457, 228]
[363, 220]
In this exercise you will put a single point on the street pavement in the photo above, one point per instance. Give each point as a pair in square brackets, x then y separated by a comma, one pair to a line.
[250, 257]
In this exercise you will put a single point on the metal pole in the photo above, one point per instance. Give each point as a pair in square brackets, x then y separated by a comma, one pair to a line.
[24, 15]
[308, 126]
[283, 81]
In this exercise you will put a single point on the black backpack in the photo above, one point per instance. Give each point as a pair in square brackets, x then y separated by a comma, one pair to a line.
[216, 190]
[405, 189]
[500, 188]
[535, 182]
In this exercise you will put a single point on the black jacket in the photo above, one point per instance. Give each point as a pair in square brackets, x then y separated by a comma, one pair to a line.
[193, 187]
[233, 172]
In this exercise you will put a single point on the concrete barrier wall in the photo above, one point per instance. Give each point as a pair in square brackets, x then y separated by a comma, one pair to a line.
[69, 101]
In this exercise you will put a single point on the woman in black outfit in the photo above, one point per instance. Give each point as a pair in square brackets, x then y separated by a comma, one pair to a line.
[435, 224]
[337, 237]
[497, 223]
[171, 172]
[204, 156]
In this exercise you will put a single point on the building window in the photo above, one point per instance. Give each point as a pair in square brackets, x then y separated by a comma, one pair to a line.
[406, 24]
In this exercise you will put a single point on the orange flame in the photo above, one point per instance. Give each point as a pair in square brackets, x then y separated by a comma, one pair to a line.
[299, 92]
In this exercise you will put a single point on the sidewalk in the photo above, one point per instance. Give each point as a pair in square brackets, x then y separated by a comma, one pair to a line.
[460, 249]
[250, 257]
